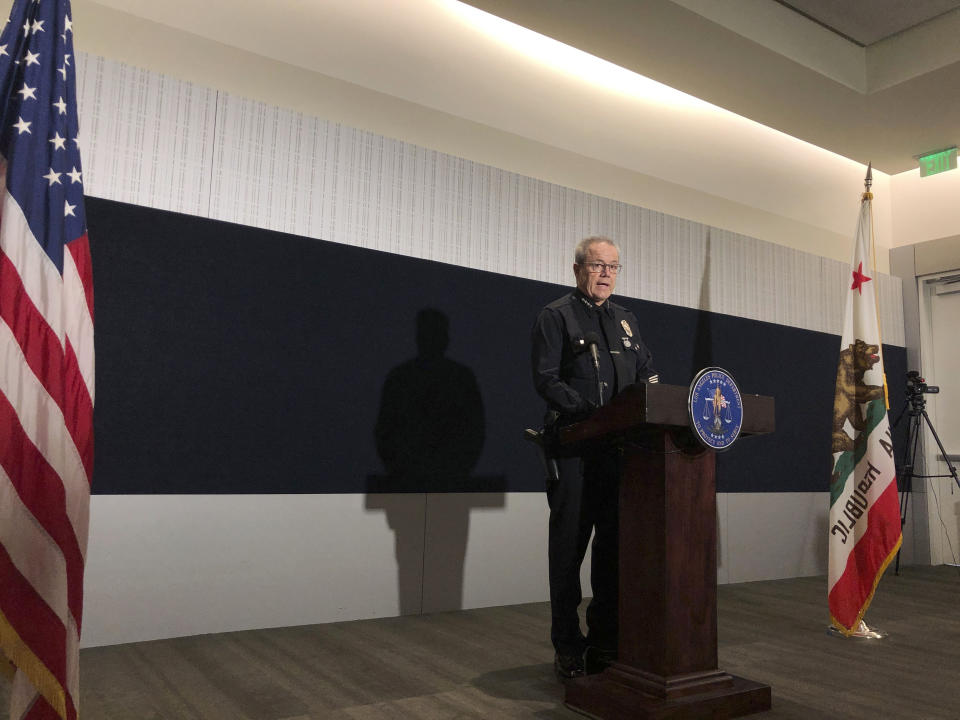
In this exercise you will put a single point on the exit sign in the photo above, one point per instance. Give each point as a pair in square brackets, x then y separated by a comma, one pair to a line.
[938, 162]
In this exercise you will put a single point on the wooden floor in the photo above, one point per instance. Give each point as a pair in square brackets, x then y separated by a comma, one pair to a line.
[496, 662]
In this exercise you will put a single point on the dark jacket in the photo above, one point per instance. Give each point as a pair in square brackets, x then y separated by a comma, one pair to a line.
[563, 371]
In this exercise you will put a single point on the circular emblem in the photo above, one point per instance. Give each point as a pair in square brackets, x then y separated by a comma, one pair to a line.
[715, 407]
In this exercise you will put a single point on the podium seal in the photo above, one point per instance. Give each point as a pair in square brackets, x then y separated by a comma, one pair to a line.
[715, 408]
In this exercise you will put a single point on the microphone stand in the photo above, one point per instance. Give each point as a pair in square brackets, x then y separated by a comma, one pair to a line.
[596, 368]
[592, 341]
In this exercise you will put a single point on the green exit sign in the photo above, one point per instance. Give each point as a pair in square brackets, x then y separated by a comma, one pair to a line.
[938, 162]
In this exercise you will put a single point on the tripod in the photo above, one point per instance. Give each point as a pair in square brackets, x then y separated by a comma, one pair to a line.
[917, 405]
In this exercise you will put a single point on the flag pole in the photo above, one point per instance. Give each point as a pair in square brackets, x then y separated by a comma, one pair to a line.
[858, 628]
[868, 197]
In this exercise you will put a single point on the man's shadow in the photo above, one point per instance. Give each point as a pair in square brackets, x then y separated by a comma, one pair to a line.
[430, 432]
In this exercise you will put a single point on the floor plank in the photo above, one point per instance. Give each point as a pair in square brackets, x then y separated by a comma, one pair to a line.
[496, 662]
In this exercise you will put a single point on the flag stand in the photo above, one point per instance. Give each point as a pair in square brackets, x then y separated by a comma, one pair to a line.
[863, 632]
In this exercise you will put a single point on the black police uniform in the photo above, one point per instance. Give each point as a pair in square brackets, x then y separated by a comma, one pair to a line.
[584, 495]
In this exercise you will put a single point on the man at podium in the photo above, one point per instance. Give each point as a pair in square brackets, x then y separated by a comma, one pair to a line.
[585, 349]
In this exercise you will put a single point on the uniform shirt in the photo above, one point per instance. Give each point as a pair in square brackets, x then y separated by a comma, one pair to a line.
[563, 371]
[599, 320]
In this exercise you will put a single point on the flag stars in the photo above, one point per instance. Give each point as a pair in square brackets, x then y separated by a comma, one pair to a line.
[68, 209]
[63, 71]
[32, 58]
[58, 142]
[67, 24]
[37, 26]
[859, 279]
[66, 59]
[74, 175]
[3, 50]
[61, 106]
[22, 126]
[27, 92]
[53, 177]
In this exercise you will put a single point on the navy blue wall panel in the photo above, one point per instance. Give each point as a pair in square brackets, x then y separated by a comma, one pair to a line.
[237, 360]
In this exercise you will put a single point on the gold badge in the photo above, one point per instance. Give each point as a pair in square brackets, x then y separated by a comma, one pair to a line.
[626, 328]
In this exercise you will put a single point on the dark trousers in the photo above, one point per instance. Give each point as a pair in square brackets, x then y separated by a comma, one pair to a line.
[584, 499]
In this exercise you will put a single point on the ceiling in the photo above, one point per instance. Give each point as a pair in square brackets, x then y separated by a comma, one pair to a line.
[866, 23]
[871, 80]
[875, 80]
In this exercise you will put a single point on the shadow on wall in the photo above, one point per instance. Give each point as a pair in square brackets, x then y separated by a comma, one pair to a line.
[703, 337]
[430, 432]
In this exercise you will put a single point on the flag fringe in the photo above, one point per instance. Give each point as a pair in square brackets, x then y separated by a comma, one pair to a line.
[43, 680]
[847, 632]
[7, 668]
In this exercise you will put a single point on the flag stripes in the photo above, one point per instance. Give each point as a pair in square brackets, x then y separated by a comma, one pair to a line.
[27, 640]
[35, 536]
[32, 551]
[852, 593]
[47, 356]
[40, 418]
[865, 530]
[41, 278]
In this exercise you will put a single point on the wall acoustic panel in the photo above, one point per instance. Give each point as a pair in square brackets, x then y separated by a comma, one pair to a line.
[145, 138]
[245, 339]
[159, 142]
[237, 360]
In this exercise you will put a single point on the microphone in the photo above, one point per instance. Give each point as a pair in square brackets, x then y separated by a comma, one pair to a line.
[592, 340]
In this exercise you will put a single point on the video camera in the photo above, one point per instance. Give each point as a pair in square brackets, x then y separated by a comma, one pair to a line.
[917, 385]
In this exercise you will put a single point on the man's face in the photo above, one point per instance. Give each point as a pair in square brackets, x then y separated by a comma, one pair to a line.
[597, 286]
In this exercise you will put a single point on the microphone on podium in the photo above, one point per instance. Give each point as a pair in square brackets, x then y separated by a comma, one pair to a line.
[592, 341]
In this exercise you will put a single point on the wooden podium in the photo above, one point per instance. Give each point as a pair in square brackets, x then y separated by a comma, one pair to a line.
[667, 660]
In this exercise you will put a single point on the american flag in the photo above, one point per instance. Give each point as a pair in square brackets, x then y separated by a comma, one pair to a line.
[46, 363]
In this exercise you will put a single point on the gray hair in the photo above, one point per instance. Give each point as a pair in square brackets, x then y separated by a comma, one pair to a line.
[580, 252]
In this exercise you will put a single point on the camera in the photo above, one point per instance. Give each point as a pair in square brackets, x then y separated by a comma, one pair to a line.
[917, 385]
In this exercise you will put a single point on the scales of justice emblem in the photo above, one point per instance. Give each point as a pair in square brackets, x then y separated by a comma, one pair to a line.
[715, 408]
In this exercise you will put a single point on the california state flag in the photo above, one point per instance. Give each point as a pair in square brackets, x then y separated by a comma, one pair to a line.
[865, 531]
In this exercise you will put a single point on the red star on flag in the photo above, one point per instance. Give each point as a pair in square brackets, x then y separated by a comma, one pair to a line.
[859, 279]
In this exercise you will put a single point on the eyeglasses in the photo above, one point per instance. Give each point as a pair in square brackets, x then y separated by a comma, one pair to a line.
[599, 267]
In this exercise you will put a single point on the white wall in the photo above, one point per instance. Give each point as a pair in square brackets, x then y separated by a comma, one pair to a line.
[159, 142]
[181, 135]
[667, 152]
[939, 311]
[924, 208]
[173, 565]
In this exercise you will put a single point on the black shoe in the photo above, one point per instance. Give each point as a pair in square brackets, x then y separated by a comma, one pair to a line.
[568, 667]
[596, 660]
